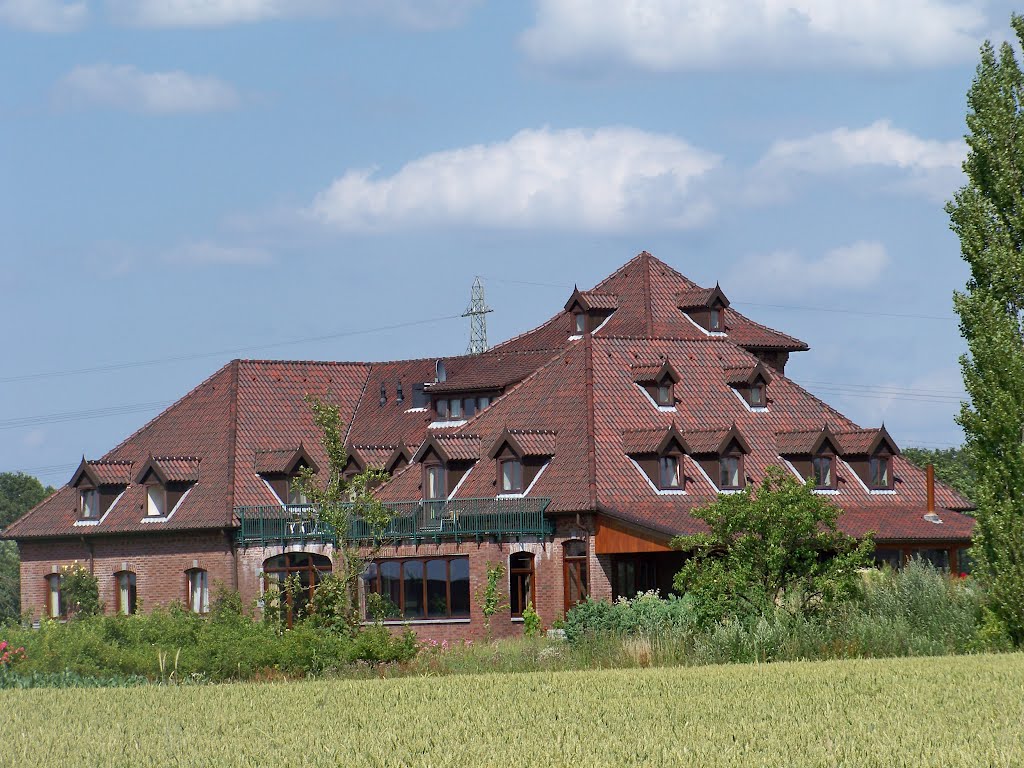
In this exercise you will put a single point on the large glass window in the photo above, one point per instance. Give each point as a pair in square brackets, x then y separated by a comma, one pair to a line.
[520, 582]
[297, 575]
[198, 585]
[127, 594]
[729, 473]
[824, 472]
[576, 572]
[512, 476]
[419, 588]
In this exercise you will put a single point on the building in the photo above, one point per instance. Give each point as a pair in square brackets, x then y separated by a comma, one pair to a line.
[570, 455]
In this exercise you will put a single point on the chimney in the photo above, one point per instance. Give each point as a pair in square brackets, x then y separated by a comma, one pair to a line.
[930, 482]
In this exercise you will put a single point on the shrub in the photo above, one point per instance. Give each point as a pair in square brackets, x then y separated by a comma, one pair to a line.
[80, 591]
[531, 621]
[646, 614]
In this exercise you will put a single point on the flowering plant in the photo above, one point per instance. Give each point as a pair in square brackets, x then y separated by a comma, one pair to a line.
[10, 655]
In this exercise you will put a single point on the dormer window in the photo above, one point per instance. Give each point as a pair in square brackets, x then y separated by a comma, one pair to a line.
[434, 482]
[705, 307]
[455, 408]
[669, 476]
[511, 476]
[813, 455]
[580, 322]
[280, 470]
[658, 453]
[99, 484]
[715, 319]
[589, 310]
[90, 508]
[156, 501]
[730, 472]
[658, 380]
[880, 472]
[757, 395]
[824, 472]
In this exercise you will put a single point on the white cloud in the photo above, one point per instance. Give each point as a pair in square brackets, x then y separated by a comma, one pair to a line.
[127, 88]
[783, 274]
[928, 166]
[216, 13]
[43, 15]
[681, 35]
[207, 253]
[605, 180]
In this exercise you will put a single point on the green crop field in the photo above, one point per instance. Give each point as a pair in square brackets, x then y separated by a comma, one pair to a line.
[953, 711]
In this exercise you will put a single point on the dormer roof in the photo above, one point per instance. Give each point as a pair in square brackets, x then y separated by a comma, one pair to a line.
[525, 442]
[97, 473]
[450, 447]
[653, 441]
[866, 442]
[170, 469]
[806, 442]
[701, 298]
[740, 375]
[283, 461]
[591, 301]
[654, 373]
[708, 442]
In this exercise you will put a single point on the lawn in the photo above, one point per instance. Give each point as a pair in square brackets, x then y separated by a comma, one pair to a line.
[951, 711]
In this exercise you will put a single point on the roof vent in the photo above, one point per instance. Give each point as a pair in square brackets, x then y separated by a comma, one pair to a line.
[399, 393]
[383, 395]
[440, 373]
[931, 517]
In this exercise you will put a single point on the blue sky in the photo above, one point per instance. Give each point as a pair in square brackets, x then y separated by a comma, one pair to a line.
[187, 181]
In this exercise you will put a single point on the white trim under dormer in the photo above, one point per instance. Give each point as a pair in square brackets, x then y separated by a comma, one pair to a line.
[271, 489]
[447, 424]
[656, 489]
[528, 488]
[420, 409]
[652, 401]
[748, 406]
[88, 522]
[702, 329]
[170, 514]
[714, 486]
[576, 337]
[461, 480]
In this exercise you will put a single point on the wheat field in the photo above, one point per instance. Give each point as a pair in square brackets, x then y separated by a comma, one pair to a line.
[953, 711]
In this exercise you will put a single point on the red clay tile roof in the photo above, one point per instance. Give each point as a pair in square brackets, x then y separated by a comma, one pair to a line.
[372, 456]
[527, 442]
[713, 441]
[746, 373]
[803, 441]
[600, 301]
[575, 401]
[177, 469]
[649, 373]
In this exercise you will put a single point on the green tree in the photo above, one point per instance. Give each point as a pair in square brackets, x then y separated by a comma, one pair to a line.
[776, 545]
[951, 467]
[987, 214]
[340, 501]
[18, 494]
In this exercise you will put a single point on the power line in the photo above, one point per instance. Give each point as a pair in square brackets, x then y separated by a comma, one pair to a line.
[231, 351]
[96, 413]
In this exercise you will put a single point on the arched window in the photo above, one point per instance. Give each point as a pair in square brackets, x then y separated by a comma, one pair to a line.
[55, 607]
[126, 599]
[521, 589]
[576, 572]
[197, 582]
[305, 567]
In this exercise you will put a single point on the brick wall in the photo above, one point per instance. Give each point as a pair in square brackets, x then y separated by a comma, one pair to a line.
[158, 561]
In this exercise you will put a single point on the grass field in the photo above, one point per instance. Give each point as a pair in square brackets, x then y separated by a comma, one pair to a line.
[952, 711]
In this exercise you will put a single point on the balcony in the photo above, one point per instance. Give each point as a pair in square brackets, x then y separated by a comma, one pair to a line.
[411, 521]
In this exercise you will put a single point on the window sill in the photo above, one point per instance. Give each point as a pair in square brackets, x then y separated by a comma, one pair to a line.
[446, 424]
[826, 491]
[85, 521]
[517, 619]
[416, 622]
[881, 492]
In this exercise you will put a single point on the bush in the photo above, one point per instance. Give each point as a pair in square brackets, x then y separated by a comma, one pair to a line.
[80, 591]
[646, 614]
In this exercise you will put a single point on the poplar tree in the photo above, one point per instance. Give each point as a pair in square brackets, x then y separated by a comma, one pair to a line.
[987, 214]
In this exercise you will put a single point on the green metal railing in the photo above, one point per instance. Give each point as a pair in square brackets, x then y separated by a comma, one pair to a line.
[410, 521]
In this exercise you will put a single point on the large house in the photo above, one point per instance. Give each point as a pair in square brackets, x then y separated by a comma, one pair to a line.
[571, 455]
